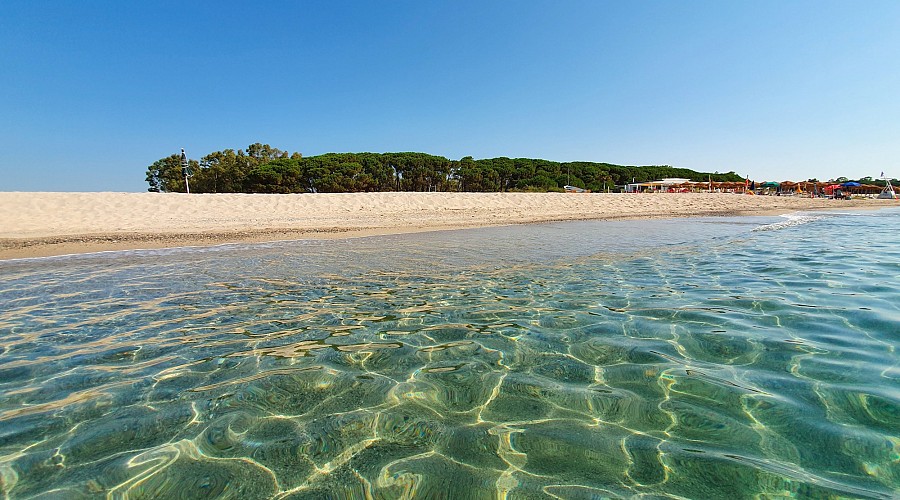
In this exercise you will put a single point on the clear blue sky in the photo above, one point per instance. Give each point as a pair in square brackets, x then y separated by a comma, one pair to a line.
[93, 92]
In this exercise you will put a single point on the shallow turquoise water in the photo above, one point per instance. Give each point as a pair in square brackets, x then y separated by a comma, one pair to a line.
[698, 358]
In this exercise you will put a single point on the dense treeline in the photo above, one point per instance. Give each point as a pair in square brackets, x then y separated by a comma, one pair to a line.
[263, 169]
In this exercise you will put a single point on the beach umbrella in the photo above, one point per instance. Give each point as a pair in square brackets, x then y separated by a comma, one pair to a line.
[769, 184]
[851, 184]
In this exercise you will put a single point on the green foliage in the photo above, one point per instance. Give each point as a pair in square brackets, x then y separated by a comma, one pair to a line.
[264, 169]
[165, 174]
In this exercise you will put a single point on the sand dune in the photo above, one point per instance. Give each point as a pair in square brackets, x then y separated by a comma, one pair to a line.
[37, 224]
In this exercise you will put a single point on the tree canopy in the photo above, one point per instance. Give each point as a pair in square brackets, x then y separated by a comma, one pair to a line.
[264, 169]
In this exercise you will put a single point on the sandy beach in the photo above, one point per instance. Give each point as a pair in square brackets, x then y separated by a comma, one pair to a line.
[45, 224]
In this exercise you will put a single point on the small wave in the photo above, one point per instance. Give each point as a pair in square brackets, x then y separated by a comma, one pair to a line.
[791, 220]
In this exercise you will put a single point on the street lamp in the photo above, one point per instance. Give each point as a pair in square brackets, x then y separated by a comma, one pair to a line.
[185, 171]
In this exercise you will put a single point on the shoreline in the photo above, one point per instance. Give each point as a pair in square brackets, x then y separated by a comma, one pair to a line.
[52, 224]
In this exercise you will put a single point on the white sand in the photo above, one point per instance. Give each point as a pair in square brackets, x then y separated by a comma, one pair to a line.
[34, 224]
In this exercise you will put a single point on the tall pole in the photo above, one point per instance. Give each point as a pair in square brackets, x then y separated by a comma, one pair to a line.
[185, 171]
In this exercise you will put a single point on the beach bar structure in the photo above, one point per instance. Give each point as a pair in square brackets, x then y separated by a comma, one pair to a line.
[662, 185]
[677, 185]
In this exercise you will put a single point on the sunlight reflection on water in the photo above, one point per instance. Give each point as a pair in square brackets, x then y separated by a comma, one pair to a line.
[695, 358]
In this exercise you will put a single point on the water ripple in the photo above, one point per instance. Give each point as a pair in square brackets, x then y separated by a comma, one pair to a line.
[729, 364]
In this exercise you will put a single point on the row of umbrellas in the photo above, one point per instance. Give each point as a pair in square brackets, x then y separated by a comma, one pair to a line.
[809, 183]
[784, 186]
[823, 186]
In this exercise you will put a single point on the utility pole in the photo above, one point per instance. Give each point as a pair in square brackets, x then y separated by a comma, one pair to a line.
[185, 171]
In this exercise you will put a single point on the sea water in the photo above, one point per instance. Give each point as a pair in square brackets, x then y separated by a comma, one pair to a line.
[749, 357]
